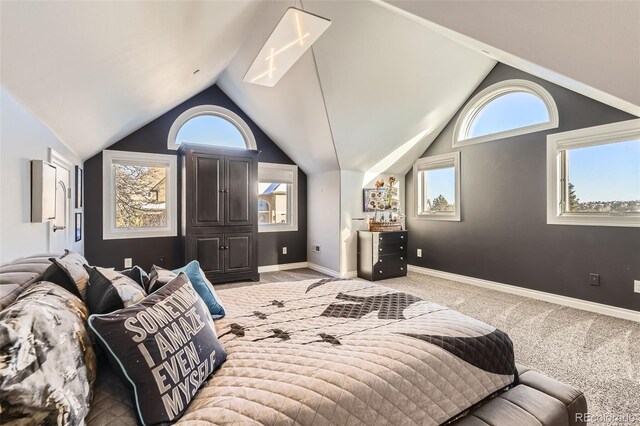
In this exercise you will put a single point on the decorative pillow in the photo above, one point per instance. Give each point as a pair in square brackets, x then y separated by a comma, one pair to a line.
[110, 290]
[158, 277]
[138, 275]
[204, 288]
[70, 254]
[69, 273]
[47, 362]
[166, 346]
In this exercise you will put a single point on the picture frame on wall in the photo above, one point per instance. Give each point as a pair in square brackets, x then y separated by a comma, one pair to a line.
[79, 185]
[78, 227]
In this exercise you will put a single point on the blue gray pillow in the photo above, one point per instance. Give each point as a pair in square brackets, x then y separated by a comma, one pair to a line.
[204, 288]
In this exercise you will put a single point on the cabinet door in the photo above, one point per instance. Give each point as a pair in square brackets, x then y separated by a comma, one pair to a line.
[208, 250]
[240, 188]
[208, 190]
[238, 252]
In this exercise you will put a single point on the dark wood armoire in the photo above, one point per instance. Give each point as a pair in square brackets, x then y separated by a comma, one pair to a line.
[220, 223]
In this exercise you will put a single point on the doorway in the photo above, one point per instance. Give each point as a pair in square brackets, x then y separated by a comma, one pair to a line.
[59, 227]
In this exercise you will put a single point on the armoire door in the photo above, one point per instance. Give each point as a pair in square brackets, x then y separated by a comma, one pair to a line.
[207, 182]
[207, 249]
[239, 186]
[238, 252]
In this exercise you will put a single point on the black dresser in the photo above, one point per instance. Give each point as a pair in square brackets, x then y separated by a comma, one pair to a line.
[382, 255]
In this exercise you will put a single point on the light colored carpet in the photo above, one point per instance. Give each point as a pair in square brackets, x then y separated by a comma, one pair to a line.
[597, 354]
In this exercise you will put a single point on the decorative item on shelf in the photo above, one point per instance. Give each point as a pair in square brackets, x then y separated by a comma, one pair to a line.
[78, 227]
[384, 197]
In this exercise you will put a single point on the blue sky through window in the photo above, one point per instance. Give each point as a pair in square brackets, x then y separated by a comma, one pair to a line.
[210, 130]
[608, 172]
[509, 111]
[441, 182]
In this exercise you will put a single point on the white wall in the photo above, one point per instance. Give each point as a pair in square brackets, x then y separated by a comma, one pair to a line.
[323, 216]
[352, 184]
[23, 138]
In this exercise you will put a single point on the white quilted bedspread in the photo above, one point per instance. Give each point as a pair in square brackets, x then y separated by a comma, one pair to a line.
[347, 352]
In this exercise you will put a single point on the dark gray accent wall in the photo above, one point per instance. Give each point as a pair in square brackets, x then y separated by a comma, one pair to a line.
[152, 138]
[504, 236]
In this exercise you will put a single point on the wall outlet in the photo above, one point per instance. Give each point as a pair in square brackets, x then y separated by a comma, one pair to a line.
[594, 279]
[161, 260]
[636, 286]
[128, 263]
[419, 252]
[315, 249]
[284, 250]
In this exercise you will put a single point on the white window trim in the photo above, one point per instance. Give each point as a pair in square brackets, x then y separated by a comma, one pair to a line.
[109, 231]
[479, 101]
[218, 111]
[285, 173]
[557, 144]
[428, 163]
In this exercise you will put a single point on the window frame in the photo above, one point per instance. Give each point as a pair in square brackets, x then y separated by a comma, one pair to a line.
[109, 230]
[489, 94]
[218, 111]
[282, 173]
[432, 163]
[557, 145]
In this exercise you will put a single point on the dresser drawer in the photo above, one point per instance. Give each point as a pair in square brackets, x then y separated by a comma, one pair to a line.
[391, 260]
[391, 238]
[389, 270]
[397, 248]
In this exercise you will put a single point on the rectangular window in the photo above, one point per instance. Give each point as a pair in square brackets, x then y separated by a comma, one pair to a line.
[437, 187]
[139, 195]
[277, 197]
[593, 176]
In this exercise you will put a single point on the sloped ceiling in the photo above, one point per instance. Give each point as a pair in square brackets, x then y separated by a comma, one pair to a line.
[389, 85]
[591, 47]
[96, 71]
[292, 113]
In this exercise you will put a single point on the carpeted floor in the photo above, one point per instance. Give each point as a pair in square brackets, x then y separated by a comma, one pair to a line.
[595, 353]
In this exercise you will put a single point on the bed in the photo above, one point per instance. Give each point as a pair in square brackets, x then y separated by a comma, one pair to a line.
[328, 351]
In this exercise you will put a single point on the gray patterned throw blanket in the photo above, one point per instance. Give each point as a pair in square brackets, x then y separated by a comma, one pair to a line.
[348, 352]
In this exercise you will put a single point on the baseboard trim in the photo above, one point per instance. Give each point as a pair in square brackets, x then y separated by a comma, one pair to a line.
[322, 269]
[349, 274]
[571, 302]
[282, 267]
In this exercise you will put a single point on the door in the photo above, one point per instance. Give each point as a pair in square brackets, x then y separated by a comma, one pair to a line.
[206, 182]
[59, 227]
[238, 252]
[207, 250]
[239, 186]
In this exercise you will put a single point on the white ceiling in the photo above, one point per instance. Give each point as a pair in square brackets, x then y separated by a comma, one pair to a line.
[292, 113]
[376, 89]
[386, 80]
[96, 71]
[591, 47]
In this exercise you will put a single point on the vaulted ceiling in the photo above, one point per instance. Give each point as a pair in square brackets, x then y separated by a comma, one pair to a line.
[370, 96]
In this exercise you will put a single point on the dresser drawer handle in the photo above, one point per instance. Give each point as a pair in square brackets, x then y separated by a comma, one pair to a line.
[380, 260]
[402, 237]
[401, 258]
[379, 272]
[380, 249]
[402, 269]
[401, 247]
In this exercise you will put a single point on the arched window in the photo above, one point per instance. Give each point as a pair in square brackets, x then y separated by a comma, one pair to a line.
[211, 125]
[505, 109]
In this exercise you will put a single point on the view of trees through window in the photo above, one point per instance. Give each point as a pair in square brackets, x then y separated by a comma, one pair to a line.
[140, 196]
[440, 190]
[273, 205]
[604, 179]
